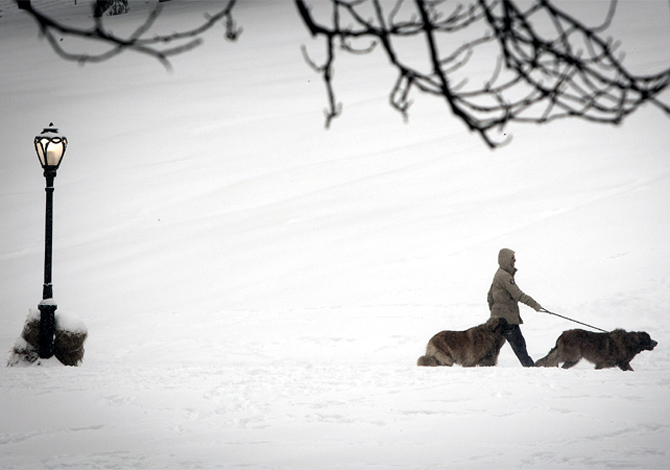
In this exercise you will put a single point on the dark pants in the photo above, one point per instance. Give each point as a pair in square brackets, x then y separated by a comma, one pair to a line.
[518, 343]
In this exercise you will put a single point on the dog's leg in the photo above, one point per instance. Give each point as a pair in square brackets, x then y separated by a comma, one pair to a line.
[626, 366]
[550, 360]
[568, 364]
[444, 360]
[490, 359]
[487, 362]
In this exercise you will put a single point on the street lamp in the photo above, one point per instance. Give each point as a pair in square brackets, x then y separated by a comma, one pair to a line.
[50, 148]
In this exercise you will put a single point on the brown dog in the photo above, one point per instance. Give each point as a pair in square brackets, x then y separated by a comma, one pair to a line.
[614, 349]
[477, 346]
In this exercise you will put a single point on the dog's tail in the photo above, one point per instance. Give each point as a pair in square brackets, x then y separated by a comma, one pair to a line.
[550, 360]
[429, 361]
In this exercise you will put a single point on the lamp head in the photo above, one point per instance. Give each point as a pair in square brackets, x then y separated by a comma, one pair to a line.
[50, 147]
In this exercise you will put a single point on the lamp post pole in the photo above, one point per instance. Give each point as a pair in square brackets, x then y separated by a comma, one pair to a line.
[47, 291]
[50, 148]
[47, 307]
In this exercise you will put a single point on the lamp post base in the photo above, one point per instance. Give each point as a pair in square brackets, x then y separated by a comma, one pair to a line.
[47, 329]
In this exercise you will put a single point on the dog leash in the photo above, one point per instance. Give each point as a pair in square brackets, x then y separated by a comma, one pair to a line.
[572, 320]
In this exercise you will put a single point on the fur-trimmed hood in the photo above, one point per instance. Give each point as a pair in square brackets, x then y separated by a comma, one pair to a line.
[505, 260]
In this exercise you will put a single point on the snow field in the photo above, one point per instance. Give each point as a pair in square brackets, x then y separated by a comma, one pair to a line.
[257, 289]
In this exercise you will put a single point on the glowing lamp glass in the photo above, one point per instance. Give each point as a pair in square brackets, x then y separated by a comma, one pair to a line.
[50, 147]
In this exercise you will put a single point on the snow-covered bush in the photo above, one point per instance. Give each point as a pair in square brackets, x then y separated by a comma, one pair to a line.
[69, 338]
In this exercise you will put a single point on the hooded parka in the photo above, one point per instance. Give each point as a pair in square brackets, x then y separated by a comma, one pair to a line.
[504, 295]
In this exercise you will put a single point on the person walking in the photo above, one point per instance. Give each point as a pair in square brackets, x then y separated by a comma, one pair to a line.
[503, 299]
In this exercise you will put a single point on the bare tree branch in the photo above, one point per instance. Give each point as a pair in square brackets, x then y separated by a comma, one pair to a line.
[160, 47]
[567, 70]
[491, 62]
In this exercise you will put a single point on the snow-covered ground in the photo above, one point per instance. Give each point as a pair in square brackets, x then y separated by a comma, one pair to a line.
[257, 289]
